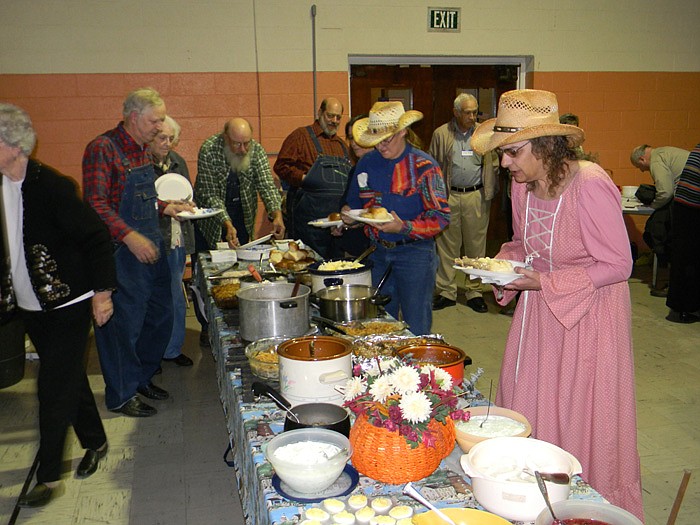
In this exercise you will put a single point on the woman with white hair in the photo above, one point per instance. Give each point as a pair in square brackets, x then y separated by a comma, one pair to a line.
[56, 270]
[568, 364]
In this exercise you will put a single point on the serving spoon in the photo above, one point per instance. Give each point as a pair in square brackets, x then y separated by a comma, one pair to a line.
[410, 491]
[545, 495]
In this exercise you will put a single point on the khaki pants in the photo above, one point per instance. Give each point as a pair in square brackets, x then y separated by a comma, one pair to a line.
[466, 235]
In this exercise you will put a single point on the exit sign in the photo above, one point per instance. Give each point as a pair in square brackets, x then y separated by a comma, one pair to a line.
[444, 19]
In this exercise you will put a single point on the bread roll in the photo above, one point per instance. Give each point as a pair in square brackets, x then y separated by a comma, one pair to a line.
[376, 213]
[334, 216]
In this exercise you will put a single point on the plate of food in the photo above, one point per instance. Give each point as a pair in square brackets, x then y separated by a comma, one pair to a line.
[199, 213]
[490, 271]
[374, 215]
[332, 220]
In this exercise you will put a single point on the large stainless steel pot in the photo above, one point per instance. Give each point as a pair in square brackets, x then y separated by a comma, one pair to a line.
[311, 367]
[349, 302]
[268, 310]
[324, 278]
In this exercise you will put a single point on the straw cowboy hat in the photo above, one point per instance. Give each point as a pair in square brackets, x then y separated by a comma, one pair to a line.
[524, 114]
[385, 119]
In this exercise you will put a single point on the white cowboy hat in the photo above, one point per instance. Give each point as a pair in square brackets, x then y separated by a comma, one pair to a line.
[524, 114]
[385, 119]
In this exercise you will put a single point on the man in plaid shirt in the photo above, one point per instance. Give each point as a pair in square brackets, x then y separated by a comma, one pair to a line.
[119, 183]
[232, 169]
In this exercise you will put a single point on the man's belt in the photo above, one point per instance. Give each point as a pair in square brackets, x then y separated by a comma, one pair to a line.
[468, 189]
[391, 244]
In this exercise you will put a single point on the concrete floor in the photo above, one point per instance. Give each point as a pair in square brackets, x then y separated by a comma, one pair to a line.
[168, 469]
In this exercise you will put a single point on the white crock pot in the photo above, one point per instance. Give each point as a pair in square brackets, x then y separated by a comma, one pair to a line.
[321, 279]
[307, 378]
[495, 467]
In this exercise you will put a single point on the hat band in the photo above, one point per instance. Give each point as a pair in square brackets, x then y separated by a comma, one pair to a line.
[382, 128]
[504, 129]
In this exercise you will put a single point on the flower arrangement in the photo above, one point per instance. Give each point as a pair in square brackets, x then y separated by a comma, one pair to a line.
[404, 398]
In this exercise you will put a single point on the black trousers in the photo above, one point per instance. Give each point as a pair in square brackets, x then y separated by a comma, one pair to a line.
[60, 338]
[684, 279]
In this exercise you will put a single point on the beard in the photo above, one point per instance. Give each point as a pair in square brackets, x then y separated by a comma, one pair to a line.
[235, 161]
[326, 129]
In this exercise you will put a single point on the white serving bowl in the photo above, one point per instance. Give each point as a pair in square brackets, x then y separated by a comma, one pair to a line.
[303, 477]
[588, 509]
[496, 465]
[466, 441]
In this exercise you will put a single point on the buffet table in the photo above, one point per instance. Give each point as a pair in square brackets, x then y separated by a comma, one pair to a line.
[252, 422]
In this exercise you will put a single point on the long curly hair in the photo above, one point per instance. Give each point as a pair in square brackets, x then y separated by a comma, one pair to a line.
[554, 152]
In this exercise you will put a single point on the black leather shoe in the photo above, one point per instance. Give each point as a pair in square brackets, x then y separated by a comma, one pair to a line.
[441, 302]
[152, 391]
[136, 408]
[478, 305]
[204, 339]
[88, 465]
[39, 496]
[181, 360]
[682, 317]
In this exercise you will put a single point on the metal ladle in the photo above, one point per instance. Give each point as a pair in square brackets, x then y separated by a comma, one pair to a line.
[410, 491]
[545, 495]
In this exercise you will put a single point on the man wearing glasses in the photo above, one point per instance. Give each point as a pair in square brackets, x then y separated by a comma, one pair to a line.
[232, 169]
[314, 163]
[471, 182]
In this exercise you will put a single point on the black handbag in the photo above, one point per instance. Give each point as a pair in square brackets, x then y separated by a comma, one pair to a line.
[646, 193]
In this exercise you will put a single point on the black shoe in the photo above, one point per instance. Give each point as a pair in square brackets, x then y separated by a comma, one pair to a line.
[204, 339]
[441, 302]
[88, 465]
[478, 305]
[152, 391]
[507, 310]
[136, 408]
[181, 360]
[39, 496]
[682, 317]
[659, 292]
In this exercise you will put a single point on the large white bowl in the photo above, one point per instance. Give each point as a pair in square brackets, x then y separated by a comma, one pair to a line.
[495, 468]
[309, 478]
[588, 509]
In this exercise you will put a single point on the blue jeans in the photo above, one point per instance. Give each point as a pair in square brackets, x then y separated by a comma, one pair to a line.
[411, 282]
[176, 262]
[133, 341]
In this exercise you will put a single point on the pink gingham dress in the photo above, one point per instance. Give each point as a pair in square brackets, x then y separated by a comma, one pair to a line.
[568, 364]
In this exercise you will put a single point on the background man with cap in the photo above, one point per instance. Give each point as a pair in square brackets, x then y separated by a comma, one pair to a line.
[408, 184]
[314, 163]
[471, 182]
[571, 331]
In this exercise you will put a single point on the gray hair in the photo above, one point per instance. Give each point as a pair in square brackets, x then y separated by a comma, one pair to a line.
[638, 153]
[170, 121]
[16, 128]
[141, 99]
[463, 97]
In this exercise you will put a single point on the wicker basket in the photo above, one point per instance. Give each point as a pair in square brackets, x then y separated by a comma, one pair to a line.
[386, 457]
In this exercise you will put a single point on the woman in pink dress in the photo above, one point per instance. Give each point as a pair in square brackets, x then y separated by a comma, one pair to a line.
[568, 364]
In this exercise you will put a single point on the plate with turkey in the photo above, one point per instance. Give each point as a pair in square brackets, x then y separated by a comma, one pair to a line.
[374, 215]
[490, 271]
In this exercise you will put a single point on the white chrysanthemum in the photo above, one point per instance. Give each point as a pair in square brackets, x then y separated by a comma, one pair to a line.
[415, 407]
[354, 387]
[405, 379]
[381, 389]
[444, 379]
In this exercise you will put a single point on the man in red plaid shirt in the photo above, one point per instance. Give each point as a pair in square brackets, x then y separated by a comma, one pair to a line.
[119, 183]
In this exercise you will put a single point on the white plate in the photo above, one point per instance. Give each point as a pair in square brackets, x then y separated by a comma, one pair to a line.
[487, 277]
[324, 223]
[355, 214]
[199, 213]
[173, 187]
[261, 240]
